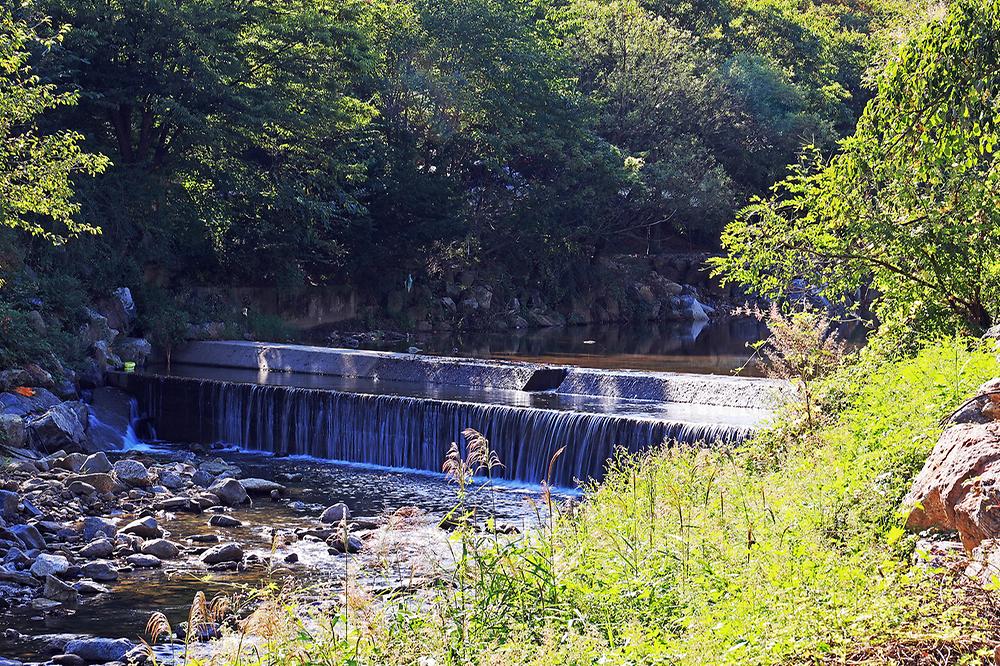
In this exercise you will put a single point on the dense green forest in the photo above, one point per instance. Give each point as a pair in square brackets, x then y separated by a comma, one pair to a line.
[307, 142]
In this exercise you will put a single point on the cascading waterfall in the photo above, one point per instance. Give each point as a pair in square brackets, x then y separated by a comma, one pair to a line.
[400, 431]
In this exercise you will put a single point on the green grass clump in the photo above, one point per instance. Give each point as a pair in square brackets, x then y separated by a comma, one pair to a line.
[787, 550]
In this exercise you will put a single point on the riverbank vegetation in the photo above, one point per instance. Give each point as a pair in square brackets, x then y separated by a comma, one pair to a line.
[788, 550]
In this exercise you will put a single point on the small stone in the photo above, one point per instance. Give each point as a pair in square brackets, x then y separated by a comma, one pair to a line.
[68, 660]
[103, 483]
[97, 463]
[45, 565]
[178, 504]
[335, 514]
[146, 527]
[73, 462]
[100, 570]
[81, 488]
[229, 491]
[222, 520]
[144, 561]
[227, 552]
[202, 478]
[57, 590]
[291, 558]
[204, 538]
[97, 550]
[132, 473]
[161, 548]
[172, 480]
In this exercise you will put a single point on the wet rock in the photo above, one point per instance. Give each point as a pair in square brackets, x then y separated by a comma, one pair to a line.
[222, 520]
[90, 588]
[178, 504]
[103, 483]
[261, 486]
[49, 565]
[291, 558]
[204, 538]
[43, 604]
[147, 528]
[29, 536]
[57, 590]
[94, 526]
[10, 504]
[206, 501]
[339, 546]
[97, 463]
[161, 548]
[289, 477]
[335, 513]
[229, 491]
[140, 561]
[58, 428]
[68, 660]
[226, 552]
[97, 550]
[100, 570]
[100, 650]
[132, 473]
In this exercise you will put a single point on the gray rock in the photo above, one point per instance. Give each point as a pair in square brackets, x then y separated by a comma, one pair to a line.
[146, 527]
[202, 478]
[97, 463]
[204, 538]
[29, 536]
[161, 548]
[178, 504]
[226, 552]
[19, 577]
[17, 557]
[337, 544]
[12, 432]
[119, 309]
[9, 504]
[88, 587]
[335, 513]
[100, 650]
[58, 428]
[132, 473]
[94, 526]
[222, 520]
[133, 349]
[172, 480]
[229, 491]
[97, 550]
[102, 482]
[57, 590]
[81, 488]
[105, 357]
[68, 660]
[140, 561]
[72, 461]
[261, 486]
[100, 570]
[46, 565]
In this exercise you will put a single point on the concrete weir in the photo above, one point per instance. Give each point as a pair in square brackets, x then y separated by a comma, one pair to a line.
[404, 410]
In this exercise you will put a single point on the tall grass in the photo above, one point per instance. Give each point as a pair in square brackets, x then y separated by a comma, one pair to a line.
[787, 550]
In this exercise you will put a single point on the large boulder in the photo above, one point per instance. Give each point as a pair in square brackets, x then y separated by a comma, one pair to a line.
[96, 329]
[160, 548]
[56, 590]
[229, 491]
[49, 565]
[103, 483]
[119, 309]
[29, 536]
[147, 528]
[132, 473]
[959, 486]
[36, 402]
[59, 428]
[100, 570]
[335, 513]
[96, 463]
[261, 486]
